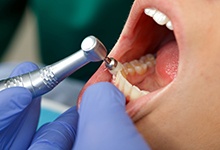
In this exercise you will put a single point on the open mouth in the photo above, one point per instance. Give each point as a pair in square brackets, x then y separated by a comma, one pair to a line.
[149, 54]
[149, 72]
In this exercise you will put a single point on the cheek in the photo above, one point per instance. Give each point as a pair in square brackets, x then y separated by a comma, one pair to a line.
[182, 117]
[157, 131]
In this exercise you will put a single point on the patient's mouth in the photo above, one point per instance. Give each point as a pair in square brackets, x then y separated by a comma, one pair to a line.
[149, 52]
[141, 76]
[150, 72]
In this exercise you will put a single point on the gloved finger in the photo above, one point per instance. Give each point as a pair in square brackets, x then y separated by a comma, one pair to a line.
[103, 122]
[13, 101]
[19, 134]
[19, 113]
[23, 68]
[59, 134]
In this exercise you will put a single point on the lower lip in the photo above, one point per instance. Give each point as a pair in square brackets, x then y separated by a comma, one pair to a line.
[138, 108]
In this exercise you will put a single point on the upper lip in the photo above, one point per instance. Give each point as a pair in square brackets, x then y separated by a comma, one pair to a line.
[128, 34]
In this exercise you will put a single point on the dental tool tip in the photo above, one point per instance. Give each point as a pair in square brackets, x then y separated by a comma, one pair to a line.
[110, 63]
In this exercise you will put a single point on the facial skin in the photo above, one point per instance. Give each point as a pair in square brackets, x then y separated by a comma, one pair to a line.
[185, 113]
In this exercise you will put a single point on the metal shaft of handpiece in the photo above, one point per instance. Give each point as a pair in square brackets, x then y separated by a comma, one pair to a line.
[45, 79]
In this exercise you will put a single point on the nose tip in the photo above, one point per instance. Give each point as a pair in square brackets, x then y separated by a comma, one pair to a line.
[94, 49]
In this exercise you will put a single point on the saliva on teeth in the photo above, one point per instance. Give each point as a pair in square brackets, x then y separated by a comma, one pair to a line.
[135, 67]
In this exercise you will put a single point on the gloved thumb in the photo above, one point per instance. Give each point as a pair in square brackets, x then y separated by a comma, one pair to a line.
[103, 122]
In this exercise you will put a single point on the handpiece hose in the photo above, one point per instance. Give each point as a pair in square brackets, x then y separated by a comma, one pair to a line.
[45, 79]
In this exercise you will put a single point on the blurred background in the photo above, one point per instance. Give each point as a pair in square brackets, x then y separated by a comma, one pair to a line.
[24, 45]
[44, 32]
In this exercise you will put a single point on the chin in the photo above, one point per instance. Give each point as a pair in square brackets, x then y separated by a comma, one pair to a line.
[153, 49]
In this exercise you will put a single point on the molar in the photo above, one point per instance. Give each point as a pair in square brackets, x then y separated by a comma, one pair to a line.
[129, 69]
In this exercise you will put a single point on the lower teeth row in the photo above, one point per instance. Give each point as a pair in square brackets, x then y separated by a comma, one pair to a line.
[139, 66]
[132, 68]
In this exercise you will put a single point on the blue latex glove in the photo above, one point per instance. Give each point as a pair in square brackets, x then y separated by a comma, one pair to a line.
[18, 113]
[103, 124]
[59, 134]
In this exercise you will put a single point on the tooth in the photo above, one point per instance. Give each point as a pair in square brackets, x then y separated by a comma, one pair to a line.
[120, 81]
[143, 59]
[169, 25]
[127, 89]
[144, 93]
[135, 93]
[138, 67]
[150, 64]
[160, 18]
[139, 70]
[150, 11]
[134, 63]
[129, 68]
[144, 66]
[150, 57]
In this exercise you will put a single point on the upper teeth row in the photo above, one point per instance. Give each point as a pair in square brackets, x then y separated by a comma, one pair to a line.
[159, 17]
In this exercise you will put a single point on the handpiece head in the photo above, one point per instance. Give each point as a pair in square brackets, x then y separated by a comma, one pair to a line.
[94, 49]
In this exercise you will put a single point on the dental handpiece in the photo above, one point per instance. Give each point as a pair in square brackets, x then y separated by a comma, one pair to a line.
[45, 79]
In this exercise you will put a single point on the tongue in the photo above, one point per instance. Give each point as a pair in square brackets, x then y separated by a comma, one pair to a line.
[167, 62]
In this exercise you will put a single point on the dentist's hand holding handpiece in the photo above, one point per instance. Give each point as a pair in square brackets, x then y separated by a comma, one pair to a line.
[100, 122]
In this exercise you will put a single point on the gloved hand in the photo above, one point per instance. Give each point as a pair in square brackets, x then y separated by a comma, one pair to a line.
[103, 124]
[18, 113]
[59, 134]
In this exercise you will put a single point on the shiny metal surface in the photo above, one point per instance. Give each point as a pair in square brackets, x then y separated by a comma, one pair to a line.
[45, 79]
[110, 63]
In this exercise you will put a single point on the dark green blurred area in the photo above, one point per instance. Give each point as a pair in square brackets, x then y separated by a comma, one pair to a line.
[63, 24]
